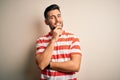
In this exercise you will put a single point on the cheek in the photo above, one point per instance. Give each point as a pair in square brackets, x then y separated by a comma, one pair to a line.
[51, 22]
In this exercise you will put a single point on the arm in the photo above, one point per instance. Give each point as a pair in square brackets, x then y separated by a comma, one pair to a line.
[75, 60]
[43, 59]
[69, 66]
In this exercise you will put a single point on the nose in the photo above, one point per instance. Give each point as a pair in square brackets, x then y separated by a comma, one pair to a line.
[57, 19]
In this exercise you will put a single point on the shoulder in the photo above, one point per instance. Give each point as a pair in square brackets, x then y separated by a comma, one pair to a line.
[71, 35]
[43, 38]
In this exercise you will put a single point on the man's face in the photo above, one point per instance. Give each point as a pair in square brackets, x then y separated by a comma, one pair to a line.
[54, 19]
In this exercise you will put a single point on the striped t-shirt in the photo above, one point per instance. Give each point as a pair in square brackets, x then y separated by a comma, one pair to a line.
[66, 45]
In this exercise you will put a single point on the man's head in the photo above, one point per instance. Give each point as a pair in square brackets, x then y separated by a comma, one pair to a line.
[53, 17]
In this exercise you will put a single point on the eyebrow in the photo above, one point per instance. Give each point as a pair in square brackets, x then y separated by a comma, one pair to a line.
[54, 15]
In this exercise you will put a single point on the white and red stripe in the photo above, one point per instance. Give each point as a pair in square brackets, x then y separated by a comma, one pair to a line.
[67, 45]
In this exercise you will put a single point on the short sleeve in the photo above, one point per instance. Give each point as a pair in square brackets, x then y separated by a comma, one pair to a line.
[75, 46]
[39, 46]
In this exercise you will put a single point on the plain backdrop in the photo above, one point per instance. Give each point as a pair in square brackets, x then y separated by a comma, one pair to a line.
[96, 22]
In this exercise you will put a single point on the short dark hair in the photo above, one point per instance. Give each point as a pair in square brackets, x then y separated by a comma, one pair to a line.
[49, 8]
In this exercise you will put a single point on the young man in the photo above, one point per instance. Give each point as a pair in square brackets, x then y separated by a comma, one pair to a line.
[58, 53]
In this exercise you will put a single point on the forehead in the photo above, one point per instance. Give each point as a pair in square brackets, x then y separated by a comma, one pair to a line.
[53, 12]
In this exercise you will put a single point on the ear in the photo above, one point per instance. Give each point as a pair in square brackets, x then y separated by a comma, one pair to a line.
[46, 22]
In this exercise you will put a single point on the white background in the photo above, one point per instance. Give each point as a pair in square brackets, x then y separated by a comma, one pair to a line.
[96, 22]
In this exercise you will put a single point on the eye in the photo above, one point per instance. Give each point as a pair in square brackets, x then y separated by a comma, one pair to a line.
[59, 15]
[51, 17]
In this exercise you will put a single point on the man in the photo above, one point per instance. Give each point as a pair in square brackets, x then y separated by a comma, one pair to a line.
[58, 53]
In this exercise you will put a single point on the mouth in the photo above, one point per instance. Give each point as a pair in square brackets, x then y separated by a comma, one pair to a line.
[58, 24]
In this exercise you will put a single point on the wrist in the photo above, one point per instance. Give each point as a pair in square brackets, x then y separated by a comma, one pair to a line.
[53, 40]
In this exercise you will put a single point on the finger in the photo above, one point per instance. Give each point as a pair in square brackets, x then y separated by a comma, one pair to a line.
[59, 28]
[56, 28]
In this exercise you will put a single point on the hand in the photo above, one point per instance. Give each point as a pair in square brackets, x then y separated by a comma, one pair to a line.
[56, 33]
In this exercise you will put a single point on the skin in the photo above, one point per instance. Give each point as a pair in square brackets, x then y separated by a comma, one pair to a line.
[54, 20]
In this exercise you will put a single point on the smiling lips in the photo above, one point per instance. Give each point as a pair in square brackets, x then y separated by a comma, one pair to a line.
[57, 24]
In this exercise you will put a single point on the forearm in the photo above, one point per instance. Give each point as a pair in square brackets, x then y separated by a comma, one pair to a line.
[68, 66]
[44, 58]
